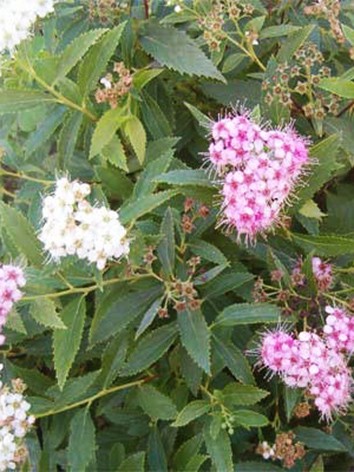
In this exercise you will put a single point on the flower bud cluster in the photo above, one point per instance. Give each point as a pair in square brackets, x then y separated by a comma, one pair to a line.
[11, 280]
[113, 90]
[323, 275]
[17, 18]
[72, 226]
[284, 449]
[313, 362]
[106, 11]
[15, 422]
[330, 10]
[260, 168]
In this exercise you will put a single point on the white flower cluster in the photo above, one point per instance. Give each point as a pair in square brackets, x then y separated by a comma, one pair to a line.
[17, 18]
[14, 424]
[72, 226]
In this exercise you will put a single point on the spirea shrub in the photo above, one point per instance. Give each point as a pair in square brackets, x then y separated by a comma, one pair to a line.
[176, 235]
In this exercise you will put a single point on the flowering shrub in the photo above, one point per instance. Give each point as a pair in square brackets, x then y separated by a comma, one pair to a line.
[176, 235]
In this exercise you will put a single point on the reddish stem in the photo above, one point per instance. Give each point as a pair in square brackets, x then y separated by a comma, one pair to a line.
[146, 6]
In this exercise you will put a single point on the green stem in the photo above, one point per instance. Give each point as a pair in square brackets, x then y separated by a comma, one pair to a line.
[84, 290]
[25, 177]
[91, 399]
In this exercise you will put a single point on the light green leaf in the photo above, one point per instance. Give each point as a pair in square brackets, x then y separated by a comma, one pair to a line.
[133, 463]
[203, 120]
[82, 441]
[219, 449]
[43, 310]
[293, 43]
[76, 50]
[192, 411]
[185, 177]
[95, 62]
[105, 129]
[279, 30]
[145, 204]
[12, 101]
[114, 153]
[249, 418]
[208, 251]
[21, 233]
[66, 342]
[174, 49]
[166, 247]
[343, 88]
[156, 404]
[318, 465]
[136, 134]
[248, 313]
[238, 394]
[149, 349]
[144, 76]
[232, 61]
[234, 360]
[195, 337]
[348, 33]
[15, 323]
[310, 210]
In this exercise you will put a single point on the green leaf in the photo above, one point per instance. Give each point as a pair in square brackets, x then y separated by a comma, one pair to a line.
[114, 153]
[146, 185]
[209, 275]
[190, 371]
[118, 308]
[219, 449]
[144, 76]
[249, 418]
[166, 247]
[195, 337]
[148, 317]
[76, 50]
[175, 50]
[66, 342]
[327, 246]
[149, 349]
[113, 358]
[82, 441]
[156, 452]
[225, 283]
[185, 177]
[348, 33]
[43, 310]
[133, 463]
[238, 394]
[293, 43]
[208, 251]
[253, 466]
[232, 61]
[156, 404]
[12, 101]
[154, 117]
[68, 137]
[318, 465]
[45, 130]
[247, 313]
[203, 120]
[234, 360]
[310, 210]
[105, 129]
[192, 411]
[279, 30]
[136, 134]
[291, 397]
[114, 182]
[143, 205]
[325, 153]
[21, 233]
[343, 88]
[316, 439]
[95, 62]
[15, 323]
[189, 448]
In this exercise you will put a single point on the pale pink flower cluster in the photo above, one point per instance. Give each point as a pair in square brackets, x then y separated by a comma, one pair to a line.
[322, 272]
[11, 279]
[311, 362]
[339, 329]
[259, 167]
[72, 226]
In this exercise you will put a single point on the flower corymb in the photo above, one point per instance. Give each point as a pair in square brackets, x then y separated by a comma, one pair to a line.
[11, 280]
[72, 226]
[259, 168]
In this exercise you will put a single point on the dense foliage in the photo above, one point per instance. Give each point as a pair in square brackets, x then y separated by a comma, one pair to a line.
[150, 340]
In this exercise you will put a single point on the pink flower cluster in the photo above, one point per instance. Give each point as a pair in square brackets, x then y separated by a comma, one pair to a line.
[313, 362]
[322, 272]
[11, 278]
[260, 168]
[339, 330]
